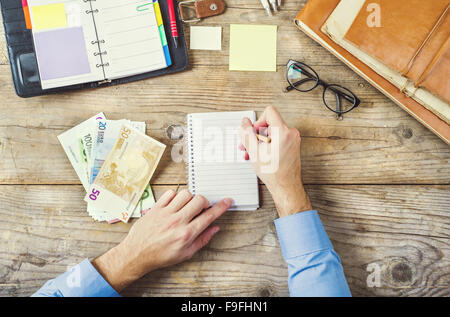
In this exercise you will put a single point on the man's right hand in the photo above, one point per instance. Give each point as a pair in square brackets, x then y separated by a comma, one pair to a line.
[277, 163]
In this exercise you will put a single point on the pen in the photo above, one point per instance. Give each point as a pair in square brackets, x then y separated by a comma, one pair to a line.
[173, 22]
[265, 4]
[274, 5]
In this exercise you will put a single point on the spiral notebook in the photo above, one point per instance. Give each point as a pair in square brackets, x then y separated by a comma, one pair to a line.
[81, 41]
[216, 166]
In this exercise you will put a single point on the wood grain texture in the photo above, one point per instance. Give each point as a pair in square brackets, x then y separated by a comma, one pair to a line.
[404, 229]
[376, 144]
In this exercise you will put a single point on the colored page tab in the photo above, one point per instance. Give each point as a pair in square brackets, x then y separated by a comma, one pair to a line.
[162, 32]
[49, 16]
[159, 19]
[26, 14]
[253, 47]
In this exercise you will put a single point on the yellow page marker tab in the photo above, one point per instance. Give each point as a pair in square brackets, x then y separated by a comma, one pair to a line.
[49, 16]
[159, 19]
[253, 47]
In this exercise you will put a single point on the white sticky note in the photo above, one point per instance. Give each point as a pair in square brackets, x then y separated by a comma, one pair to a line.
[206, 38]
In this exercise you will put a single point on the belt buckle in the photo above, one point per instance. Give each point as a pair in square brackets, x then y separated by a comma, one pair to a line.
[188, 4]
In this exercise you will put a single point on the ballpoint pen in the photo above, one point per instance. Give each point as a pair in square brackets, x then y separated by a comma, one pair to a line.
[274, 5]
[265, 4]
[173, 22]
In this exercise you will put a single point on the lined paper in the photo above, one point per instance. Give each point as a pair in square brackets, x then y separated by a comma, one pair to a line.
[132, 40]
[217, 168]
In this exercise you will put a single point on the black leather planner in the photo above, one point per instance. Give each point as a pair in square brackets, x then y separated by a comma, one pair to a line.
[22, 56]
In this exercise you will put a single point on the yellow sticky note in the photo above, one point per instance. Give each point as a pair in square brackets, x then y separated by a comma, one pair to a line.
[49, 16]
[253, 47]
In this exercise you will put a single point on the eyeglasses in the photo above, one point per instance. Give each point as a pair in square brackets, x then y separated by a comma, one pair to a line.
[336, 98]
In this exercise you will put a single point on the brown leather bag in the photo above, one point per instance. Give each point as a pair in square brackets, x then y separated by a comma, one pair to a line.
[310, 20]
[413, 40]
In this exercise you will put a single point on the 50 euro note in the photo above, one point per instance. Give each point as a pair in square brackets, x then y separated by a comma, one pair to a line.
[125, 173]
[145, 203]
[107, 134]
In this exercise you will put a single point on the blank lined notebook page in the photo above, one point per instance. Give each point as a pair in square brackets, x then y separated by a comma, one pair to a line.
[217, 168]
[132, 40]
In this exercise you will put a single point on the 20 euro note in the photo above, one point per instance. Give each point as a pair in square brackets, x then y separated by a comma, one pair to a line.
[125, 173]
[107, 134]
[70, 143]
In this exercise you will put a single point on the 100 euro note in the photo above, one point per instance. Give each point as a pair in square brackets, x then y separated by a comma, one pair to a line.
[125, 173]
[71, 145]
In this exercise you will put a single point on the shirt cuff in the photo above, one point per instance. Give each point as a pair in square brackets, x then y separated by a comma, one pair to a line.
[301, 233]
[83, 280]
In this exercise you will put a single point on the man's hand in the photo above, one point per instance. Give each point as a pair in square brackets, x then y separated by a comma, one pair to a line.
[277, 163]
[171, 232]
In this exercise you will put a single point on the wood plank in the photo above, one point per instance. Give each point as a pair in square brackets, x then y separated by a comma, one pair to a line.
[403, 229]
[377, 143]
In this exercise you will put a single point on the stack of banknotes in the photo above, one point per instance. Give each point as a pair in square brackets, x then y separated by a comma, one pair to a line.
[114, 160]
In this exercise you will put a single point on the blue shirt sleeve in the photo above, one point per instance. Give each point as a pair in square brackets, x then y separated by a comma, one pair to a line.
[83, 280]
[314, 267]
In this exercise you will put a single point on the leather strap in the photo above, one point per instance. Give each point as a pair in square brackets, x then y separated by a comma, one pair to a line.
[203, 8]
[209, 8]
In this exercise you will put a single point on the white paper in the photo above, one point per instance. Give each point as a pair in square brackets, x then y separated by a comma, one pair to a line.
[206, 38]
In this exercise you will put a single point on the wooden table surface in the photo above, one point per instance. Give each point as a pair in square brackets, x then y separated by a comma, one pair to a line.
[379, 179]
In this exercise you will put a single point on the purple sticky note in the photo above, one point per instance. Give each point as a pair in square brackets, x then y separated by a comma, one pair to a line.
[61, 53]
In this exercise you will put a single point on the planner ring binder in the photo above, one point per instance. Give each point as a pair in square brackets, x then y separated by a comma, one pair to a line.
[98, 41]
[191, 171]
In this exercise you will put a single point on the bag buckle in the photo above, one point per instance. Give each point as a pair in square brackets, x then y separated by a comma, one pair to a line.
[202, 8]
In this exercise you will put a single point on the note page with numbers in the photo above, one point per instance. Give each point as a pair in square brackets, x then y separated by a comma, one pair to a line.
[217, 168]
[130, 38]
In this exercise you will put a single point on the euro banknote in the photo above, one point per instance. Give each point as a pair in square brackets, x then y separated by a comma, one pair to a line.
[125, 173]
[71, 145]
[107, 134]
[80, 143]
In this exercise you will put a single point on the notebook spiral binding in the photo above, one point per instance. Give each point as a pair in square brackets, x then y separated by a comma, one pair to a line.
[190, 145]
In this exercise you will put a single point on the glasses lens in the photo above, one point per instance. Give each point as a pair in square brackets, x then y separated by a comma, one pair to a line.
[339, 99]
[302, 77]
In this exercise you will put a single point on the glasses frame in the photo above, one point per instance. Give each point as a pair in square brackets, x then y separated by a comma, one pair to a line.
[303, 68]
